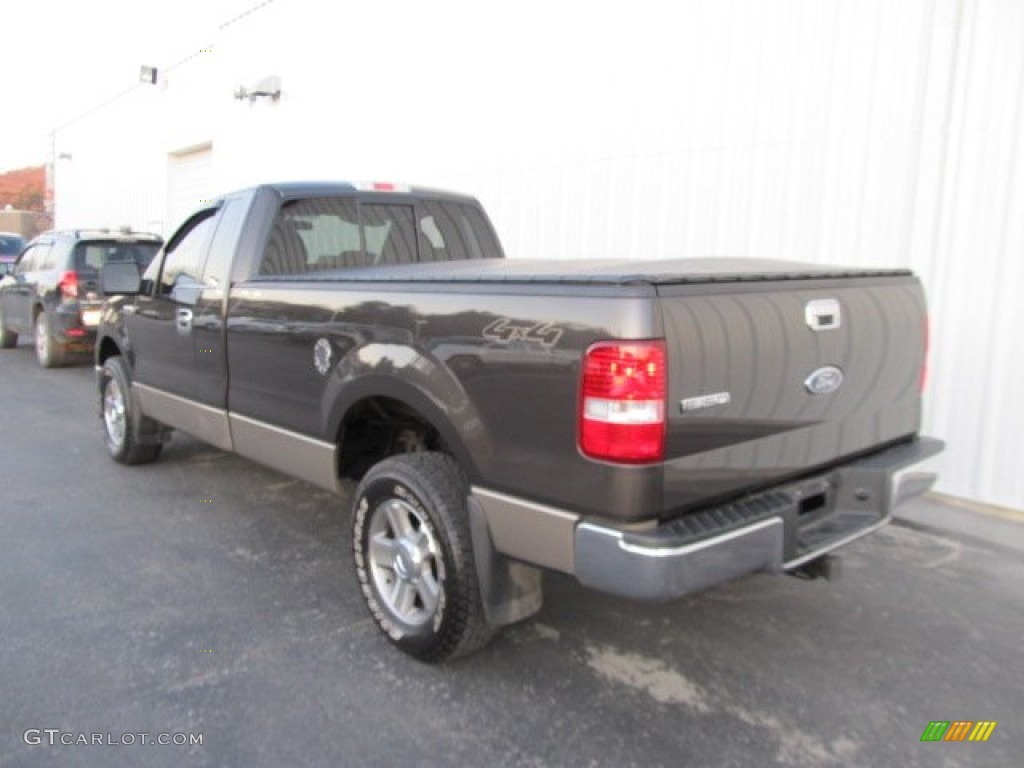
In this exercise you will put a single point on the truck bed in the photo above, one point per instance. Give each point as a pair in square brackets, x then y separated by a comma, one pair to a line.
[741, 355]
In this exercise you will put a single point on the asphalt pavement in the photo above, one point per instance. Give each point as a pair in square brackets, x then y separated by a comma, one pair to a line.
[207, 598]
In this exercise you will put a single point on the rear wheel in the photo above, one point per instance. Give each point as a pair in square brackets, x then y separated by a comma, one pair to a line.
[120, 416]
[8, 339]
[414, 558]
[49, 352]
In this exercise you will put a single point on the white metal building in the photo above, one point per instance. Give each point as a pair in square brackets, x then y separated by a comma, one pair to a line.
[846, 131]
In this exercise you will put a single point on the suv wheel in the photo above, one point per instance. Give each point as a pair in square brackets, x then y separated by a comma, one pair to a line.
[49, 352]
[414, 559]
[120, 416]
[8, 339]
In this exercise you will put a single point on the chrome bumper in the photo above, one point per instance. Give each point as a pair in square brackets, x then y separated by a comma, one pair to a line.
[778, 530]
[605, 561]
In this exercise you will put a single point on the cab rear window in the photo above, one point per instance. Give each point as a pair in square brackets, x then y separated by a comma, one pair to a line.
[326, 233]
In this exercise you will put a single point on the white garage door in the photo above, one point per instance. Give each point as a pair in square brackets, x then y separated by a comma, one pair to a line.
[189, 177]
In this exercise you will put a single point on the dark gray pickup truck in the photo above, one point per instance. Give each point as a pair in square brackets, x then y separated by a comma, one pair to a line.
[652, 428]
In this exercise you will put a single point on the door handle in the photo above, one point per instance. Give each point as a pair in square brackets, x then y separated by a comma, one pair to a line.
[183, 320]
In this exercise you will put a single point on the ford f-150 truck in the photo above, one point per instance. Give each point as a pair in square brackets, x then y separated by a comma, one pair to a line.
[652, 428]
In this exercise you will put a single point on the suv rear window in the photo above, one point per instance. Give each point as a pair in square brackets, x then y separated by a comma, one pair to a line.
[90, 256]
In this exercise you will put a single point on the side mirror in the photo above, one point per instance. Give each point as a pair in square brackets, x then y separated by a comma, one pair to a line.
[120, 278]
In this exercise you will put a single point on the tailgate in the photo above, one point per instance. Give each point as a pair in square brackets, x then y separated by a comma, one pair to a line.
[773, 380]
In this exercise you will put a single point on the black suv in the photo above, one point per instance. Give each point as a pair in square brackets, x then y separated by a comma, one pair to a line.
[54, 290]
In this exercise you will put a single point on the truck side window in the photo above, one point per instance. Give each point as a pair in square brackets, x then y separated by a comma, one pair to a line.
[186, 252]
[229, 228]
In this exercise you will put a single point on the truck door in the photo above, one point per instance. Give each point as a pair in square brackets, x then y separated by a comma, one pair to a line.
[161, 325]
[208, 332]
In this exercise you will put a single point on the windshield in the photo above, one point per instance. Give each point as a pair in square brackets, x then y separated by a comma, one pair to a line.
[11, 245]
[91, 256]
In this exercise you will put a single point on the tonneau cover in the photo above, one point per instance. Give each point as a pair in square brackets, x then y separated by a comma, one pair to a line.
[593, 272]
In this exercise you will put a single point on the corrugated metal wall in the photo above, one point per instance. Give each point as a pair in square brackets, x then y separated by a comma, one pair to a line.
[969, 244]
[847, 131]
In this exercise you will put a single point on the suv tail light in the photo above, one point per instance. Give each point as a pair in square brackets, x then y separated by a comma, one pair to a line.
[622, 401]
[68, 285]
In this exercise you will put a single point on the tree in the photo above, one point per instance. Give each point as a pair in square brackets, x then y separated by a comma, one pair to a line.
[23, 189]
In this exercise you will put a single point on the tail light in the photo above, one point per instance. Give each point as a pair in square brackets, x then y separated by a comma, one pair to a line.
[68, 285]
[622, 401]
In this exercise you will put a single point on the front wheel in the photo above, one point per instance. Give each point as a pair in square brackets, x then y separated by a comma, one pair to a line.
[414, 557]
[120, 416]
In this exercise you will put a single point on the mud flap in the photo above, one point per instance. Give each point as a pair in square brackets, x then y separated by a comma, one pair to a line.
[511, 590]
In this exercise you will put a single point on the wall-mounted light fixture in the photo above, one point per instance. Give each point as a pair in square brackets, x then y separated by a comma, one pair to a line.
[148, 75]
[268, 88]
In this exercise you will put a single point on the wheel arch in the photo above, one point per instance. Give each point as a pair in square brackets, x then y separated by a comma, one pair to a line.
[106, 347]
[375, 401]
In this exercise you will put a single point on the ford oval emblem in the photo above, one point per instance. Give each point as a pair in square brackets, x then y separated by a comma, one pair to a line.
[824, 380]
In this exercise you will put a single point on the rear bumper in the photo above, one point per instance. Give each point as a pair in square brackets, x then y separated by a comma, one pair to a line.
[776, 530]
[68, 326]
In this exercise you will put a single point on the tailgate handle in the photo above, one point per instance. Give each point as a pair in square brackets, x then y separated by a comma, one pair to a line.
[823, 314]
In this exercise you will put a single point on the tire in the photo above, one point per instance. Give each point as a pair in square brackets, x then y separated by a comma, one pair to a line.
[49, 352]
[414, 557]
[8, 339]
[119, 416]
